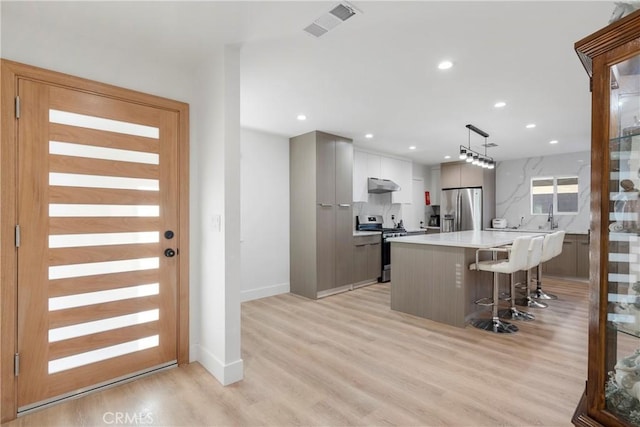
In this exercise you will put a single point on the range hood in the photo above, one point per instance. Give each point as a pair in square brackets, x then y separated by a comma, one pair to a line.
[377, 185]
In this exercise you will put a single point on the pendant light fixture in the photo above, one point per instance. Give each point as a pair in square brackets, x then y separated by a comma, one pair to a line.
[473, 157]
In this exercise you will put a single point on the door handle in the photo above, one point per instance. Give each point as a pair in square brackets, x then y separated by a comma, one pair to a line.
[325, 205]
[169, 253]
[344, 205]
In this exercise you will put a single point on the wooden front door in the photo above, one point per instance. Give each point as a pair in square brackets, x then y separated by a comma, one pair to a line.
[97, 261]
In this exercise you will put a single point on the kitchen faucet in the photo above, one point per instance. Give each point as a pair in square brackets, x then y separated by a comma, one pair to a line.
[552, 223]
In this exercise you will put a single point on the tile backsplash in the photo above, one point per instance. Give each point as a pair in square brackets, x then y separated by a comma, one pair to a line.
[379, 204]
[513, 193]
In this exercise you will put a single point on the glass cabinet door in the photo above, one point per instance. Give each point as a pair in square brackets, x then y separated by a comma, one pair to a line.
[622, 351]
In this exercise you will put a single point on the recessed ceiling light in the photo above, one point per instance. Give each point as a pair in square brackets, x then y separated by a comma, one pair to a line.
[499, 104]
[413, 147]
[445, 65]
[301, 117]
[555, 141]
[530, 126]
[447, 157]
[369, 136]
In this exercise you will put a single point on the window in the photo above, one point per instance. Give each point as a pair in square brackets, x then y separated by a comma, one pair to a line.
[558, 193]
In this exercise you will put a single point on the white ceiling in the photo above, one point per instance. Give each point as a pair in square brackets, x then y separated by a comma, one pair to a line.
[377, 72]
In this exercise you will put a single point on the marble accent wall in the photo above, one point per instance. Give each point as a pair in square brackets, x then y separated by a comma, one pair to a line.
[513, 189]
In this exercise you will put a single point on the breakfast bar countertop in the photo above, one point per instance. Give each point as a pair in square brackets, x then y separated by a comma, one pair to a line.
[466, 239]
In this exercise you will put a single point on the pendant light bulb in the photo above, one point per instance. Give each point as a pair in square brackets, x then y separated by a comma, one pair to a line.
[463, 153]
[469, 157]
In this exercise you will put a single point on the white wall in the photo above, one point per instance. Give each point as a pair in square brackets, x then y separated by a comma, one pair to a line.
[217, 125]
[213, 94]
[513, 192]
[264, 214]
[418, 210]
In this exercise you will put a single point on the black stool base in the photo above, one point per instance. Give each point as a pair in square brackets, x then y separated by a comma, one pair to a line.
[494, 325]
[529, 302]
[540, 294]
[515, 314]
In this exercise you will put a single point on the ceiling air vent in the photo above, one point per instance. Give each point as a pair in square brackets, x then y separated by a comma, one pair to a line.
[331, 19]
[343, 12]
[315, 30]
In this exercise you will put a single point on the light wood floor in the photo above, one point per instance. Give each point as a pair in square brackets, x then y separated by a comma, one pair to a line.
[349, 360]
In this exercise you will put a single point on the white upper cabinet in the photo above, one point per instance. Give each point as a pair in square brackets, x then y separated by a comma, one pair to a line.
[366, 165]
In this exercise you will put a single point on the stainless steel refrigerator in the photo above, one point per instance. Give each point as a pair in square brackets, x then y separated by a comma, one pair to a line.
[461, 209]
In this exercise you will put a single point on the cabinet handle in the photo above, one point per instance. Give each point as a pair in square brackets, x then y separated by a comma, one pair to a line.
[324, 205]
[344, 205]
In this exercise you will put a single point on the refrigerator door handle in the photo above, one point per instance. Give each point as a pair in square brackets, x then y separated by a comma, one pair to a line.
[458, 212]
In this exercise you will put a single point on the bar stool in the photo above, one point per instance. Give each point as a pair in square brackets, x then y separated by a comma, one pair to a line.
[516, 261]
[552, 248]
[533, 258]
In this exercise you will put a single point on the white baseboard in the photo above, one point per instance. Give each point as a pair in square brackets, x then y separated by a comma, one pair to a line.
[225, 374]
[267, 291]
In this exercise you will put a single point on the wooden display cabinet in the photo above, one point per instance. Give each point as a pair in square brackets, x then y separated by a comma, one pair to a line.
[611, 57]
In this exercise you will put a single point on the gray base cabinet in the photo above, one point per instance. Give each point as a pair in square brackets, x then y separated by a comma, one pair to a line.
[367, 259]
[322, 252]
[574, 259]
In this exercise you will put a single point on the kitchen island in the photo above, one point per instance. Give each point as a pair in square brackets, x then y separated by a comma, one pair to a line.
[430, 277]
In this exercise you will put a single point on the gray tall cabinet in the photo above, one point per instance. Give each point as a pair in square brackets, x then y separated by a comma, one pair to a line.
[321, 220]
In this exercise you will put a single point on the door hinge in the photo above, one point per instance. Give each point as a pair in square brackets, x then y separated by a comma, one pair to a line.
[17, 107]
[16, 364]
[17, 236]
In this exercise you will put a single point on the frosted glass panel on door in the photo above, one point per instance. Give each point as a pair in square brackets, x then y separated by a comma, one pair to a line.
[80, 300]
[82, 359]
[91, 152]
[72, 210]
[98, 123]
[94, 268]
[98, 181]
[99, 239]
[103, 325]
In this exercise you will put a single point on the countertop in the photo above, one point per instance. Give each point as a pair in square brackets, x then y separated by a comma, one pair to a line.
[366, 233]
[545, 231]
[521, 230]
[466, 239]
[373, 233]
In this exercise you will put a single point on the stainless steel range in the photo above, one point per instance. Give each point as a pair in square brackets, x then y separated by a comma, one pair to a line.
[374, 223]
